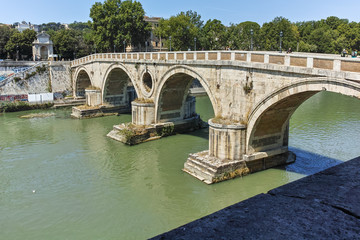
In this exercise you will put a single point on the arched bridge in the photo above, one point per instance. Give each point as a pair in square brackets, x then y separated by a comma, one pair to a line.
[253, 95]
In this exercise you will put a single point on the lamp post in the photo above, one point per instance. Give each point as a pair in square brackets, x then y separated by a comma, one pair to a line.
[170, 42]
[194, 43]
[95, 48]
[114, 48]
[124, 42]
[146, 44]
[17, 52]
[281, 35]
[251, 43]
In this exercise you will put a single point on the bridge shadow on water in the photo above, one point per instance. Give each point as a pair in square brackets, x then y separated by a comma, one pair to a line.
[309, 163]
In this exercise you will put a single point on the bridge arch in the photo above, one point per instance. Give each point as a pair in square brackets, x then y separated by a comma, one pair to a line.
[173, 86]
[116, 86]
[268, 123]
[82, 81]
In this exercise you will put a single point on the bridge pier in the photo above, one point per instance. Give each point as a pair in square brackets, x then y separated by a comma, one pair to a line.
[227, 158]
[96, 106]
[144, 127]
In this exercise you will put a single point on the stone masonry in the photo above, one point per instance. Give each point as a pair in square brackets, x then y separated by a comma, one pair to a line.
[253, 95]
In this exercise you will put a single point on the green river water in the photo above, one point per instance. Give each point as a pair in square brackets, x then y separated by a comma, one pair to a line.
[62, 178]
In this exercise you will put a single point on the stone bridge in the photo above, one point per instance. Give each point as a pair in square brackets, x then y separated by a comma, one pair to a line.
[253, 95]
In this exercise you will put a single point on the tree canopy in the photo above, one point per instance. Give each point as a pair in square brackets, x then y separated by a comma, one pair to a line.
[182, 28]
[116, 21]
[22, 42]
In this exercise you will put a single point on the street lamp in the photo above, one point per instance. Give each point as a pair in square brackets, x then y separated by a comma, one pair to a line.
[95, 48]
[17, 52]
[281, 35]
[251, 43]
[170, 42]
[114, 48]
[194, 43]
[146, 44]
[124, 42]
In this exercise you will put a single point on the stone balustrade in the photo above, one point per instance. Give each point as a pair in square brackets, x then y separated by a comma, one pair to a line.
[308, 60]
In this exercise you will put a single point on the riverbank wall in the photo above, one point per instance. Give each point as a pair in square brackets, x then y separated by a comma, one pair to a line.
[321, 206]
[24, 78]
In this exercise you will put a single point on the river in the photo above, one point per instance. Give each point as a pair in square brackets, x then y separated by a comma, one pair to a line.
[62, 178]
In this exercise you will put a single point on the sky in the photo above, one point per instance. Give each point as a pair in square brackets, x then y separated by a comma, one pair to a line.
[227, 11]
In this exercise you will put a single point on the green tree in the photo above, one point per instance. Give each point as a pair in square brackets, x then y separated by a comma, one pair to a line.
[324, 39]
[239, 35]
[21, 43]
[46, 27]
[213, 35]
[182, 29]
[115, 21]
[5, 33]
[80, 25]
[270, 34]
[70, 43]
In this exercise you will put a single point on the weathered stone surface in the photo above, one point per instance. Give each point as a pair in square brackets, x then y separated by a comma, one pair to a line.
[56, 78]
[338, 186]
[133, 134]
[321, 206]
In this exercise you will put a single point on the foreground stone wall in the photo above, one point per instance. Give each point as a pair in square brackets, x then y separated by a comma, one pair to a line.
[321, 206]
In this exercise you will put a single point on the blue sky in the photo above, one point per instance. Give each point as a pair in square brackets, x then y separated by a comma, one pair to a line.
[227, 11]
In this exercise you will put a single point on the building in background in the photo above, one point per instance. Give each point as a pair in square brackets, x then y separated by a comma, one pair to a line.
[24, 25]
[154, 43]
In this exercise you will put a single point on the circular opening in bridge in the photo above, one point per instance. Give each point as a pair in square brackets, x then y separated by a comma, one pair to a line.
[147, 81]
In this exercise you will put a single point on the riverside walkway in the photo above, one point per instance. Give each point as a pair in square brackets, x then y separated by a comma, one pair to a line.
[325, 205]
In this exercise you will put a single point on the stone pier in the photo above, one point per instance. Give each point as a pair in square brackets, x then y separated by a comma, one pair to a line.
[143, 127]
[226, 157]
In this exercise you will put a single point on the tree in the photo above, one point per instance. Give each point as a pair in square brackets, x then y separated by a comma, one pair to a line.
[213, 35]
[5, 33]
[239, 36]
[182, 29]
[324, 39]
[80, 25]
[21, 43]
[270, 34]
[51, 26]
[70, 43]
[115, 21]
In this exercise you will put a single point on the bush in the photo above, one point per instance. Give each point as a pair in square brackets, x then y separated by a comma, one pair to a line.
[23, 106]
[16, 79]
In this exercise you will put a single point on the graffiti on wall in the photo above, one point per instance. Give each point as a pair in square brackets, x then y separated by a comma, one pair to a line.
[11, 98]
[20, 69]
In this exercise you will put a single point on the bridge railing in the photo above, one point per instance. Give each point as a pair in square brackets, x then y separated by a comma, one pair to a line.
[308, 60]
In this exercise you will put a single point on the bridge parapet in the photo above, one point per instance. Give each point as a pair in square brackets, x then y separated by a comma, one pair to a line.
[305, 60]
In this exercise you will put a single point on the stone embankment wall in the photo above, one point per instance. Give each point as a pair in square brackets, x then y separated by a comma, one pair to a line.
[55, 78]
